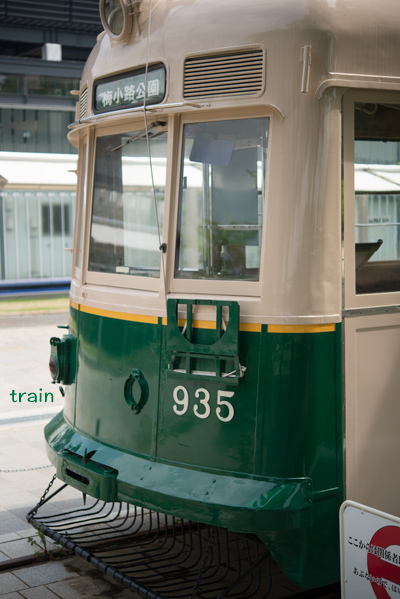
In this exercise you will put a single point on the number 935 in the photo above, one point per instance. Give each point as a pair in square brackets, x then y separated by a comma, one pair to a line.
[224, 410]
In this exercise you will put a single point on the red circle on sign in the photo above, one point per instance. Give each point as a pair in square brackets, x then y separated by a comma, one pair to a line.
[377, 567]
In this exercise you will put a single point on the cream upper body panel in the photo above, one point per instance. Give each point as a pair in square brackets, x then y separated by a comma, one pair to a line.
[349, 43]
[349, 38]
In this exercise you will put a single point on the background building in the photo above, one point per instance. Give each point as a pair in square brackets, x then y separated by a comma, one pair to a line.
[43, 47]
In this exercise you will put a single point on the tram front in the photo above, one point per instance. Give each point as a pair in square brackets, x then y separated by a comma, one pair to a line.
[202, 362]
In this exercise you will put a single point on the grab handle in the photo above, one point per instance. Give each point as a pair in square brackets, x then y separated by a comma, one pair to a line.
[136, 375]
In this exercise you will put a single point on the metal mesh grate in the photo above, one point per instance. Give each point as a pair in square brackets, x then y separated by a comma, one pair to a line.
[159, 556]
[240, 73]
[83, 104]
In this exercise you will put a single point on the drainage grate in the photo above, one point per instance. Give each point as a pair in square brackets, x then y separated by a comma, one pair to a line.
[159, 556]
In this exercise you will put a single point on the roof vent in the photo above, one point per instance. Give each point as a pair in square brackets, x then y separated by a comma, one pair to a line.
[234, 74]
[83, 103]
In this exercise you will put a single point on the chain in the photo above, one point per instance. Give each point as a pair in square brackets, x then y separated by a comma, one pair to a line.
[203, 565]
[48, 488]
[27, 469]
[41, 500]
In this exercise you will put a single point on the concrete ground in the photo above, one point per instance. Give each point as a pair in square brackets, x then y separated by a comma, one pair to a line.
[24, 358]
[25, 470]
[22, 447]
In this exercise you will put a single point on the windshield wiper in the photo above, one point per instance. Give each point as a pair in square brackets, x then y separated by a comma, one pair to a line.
[142, 133]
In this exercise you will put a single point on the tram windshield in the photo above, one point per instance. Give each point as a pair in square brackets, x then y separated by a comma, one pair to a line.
[126, 226]
[222, 190]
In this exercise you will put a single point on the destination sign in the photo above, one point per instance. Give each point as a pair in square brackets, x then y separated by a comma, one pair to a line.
[130, 91]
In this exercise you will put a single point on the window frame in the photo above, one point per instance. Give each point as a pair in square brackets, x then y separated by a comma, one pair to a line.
[228, 287]
[352, 300]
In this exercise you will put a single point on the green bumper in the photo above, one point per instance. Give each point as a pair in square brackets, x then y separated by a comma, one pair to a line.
[241, 504]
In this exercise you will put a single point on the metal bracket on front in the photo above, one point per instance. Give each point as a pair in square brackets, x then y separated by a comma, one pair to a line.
[186, 359]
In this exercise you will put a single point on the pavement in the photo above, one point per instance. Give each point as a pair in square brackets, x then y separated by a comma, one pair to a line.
[24, 358]
[25, 473]
[25, 470]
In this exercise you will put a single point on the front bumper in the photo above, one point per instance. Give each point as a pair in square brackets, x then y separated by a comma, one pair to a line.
[238, 503]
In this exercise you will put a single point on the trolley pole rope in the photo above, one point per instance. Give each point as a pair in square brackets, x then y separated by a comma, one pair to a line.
[160, 244]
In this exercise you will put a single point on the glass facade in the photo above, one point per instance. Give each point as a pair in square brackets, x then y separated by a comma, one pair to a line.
[35, 85]
[42, 56]
[27, 130]
[36, 225]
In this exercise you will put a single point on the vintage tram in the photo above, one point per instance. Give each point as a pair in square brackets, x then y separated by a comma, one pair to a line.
[234, 330]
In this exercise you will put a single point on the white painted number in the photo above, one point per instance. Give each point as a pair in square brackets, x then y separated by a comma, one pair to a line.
[205, 403]
[223, 402]
[184, 402]
[224, 410]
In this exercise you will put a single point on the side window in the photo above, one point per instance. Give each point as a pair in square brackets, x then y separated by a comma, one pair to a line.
[377, 197]
[82, 206]
[221, 200]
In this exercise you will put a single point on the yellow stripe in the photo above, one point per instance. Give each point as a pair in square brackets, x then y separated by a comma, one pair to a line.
[206, 324]
[120, 315]
[197, 324]
[301, 328]
[250, 327]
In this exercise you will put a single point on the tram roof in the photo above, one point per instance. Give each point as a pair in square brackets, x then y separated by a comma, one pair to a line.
[350, 39]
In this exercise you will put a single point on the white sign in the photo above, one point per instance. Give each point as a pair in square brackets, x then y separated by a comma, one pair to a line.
[369, 553]
[129, 91]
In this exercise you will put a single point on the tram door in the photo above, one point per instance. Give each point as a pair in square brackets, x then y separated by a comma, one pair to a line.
[371, 318]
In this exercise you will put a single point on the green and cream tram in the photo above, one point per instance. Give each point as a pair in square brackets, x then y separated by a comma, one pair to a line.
[234, 335]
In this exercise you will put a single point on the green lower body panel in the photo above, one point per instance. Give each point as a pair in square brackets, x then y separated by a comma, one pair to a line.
[310, 556]
[157, 420]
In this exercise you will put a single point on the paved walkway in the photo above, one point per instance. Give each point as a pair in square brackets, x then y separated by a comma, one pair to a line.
[24, 359]
[24, 354]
